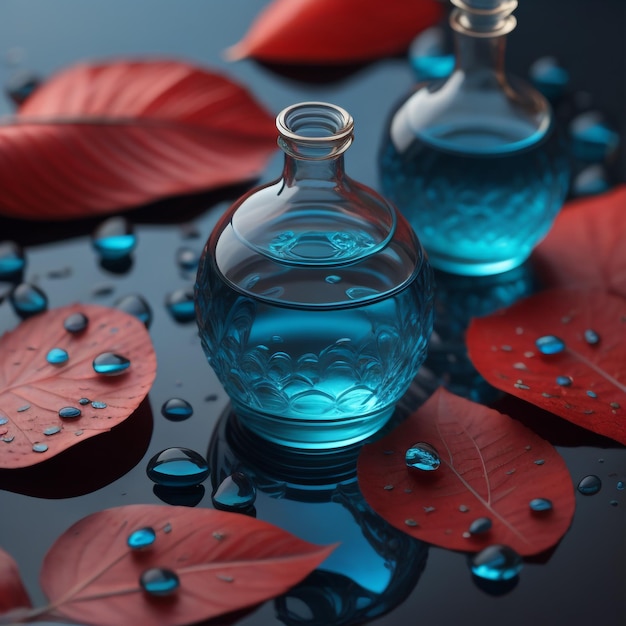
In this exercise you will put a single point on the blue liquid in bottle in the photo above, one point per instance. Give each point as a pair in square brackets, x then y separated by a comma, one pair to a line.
[313, 297]
[474, 162]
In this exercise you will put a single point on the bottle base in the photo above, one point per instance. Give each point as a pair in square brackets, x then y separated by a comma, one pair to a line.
[312, 434]
[470, 267]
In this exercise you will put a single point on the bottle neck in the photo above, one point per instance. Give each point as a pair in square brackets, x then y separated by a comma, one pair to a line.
[296, 170]
[480, 54]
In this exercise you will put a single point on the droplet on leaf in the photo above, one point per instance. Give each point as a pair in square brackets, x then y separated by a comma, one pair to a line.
[158, 581]
[176, 409]
[84, 401]
[592, 394]
[480, 526]
[69, 412]
[98, 404]
[57, 356]
[540, 505]
[135, 305]
[51, 430]
[28, 300]
[110, 364]
[75, 323]
[141, 538]
[180, 305]
[39, 447]
[589, 485]
[422, 456]
[550, 344]
[114, 238]
[564, 381]
[235, 493]
[177, 467]
[496, 562]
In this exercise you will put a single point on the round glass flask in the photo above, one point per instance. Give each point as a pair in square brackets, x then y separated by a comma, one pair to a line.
[313, 296]
[473, 160]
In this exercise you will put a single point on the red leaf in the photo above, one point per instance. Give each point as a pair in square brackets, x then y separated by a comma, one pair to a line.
[502, 348]
[99, 138]
[327, 31]
[13, 595]
[32, 390]
[586, 245]
[488, 469]
[225, 561]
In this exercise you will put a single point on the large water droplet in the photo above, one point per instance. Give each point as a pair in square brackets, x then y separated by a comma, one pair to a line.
[480, 526]
[540, 505]
[589, 485]
[141, 538]
[593, 138]
[12, 260]
[177, 467]
[134, 304]
[176, 409]
[114, 238]
[235, 493]
[422, 456]
[549, 344]
[57, 356]
[28, 300]
[69, 412]
[110, 364]
[180, 305]
[428, 55]
[496, 562]
[549, 77]
[39, 447]
[159, 582]
[76, 323]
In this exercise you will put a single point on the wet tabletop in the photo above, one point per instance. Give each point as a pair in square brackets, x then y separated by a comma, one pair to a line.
[378, 576]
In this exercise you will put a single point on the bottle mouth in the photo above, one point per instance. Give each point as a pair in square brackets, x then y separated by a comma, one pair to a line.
[483, 18]
[314, 130]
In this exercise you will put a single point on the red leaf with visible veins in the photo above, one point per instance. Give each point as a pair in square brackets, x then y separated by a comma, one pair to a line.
[13, 595]
[100, 138]
[224, 561]
[586, 245]
[491, 466]
[502, 348]
[327, 31]
[32, 390]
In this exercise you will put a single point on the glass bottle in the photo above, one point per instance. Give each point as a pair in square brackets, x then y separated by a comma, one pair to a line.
[313, 296]
[474, 160]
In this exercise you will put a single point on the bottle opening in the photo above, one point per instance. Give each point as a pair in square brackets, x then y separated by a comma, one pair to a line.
[314, 130]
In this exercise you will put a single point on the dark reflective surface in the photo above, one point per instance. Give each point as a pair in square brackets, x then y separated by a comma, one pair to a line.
[378, 575]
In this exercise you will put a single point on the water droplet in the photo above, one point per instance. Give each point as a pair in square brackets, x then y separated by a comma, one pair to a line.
[135, 305]
[620, 485]
[464, 508]
[21, 86]
[549, 77]
[540, 505]
[521, 386]
[177, 467]
[429, 509]
[539, 461]
[141, 538]
[176, 409]
[480, 526]
[12, 260]
[590, 181]
[593, 139]
[76, 323]
[4, 420]
[159, 582]
[496, 562]
[614, 405]
[410, 522]
[422, 456]
[8, 438]
[78, 432]
[428, 55]
[589, 485]
[57, 356]
[28, 300]
[110, 364]
[614, 503]
[235, 493]
[97, 404]
[549, 344]
[564, 381]
[180, 305]
[39, 447]
[23, 408]
[187, 258]
[69, 412]
[52, 430]
[333, 279]
[114, 239]
[84, 401]
[361, 293]
[592, 394]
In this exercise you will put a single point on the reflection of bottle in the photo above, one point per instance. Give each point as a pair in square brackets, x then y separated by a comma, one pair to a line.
[313, 297]
[473, 161]
[314, 494]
